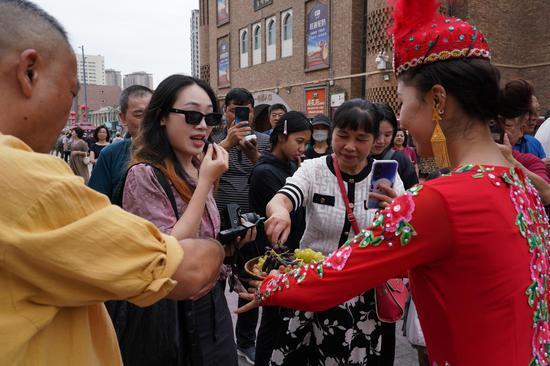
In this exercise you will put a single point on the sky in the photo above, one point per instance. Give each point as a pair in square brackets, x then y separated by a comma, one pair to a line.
[142, 35]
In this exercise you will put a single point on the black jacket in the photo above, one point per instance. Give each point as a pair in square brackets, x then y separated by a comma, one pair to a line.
[405, 169]
[268, 176]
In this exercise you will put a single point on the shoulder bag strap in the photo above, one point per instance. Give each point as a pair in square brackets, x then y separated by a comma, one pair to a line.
[167, 189]
[351, 216]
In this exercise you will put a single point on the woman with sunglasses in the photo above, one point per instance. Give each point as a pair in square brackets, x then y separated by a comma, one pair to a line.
[168, 185]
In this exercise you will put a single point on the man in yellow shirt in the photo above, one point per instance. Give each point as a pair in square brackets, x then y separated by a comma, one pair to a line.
[63, 248]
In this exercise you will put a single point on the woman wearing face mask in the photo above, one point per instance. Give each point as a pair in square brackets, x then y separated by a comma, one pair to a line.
[349, 333]
[475, 242]
[289, 139]
[382, 148]
[320, 146]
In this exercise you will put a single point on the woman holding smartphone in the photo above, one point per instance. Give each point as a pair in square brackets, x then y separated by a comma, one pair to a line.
[169, 186]
[475, 242]
[349, 332]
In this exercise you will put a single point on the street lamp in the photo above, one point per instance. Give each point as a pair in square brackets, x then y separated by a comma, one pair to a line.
[85, 84]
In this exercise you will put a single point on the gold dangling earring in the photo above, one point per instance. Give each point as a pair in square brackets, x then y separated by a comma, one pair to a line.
[439, 143]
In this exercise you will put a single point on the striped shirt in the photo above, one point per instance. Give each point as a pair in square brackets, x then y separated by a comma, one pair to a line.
[315, 187]
[233, 186]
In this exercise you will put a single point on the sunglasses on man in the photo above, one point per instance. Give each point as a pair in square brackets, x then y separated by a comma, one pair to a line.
[194, 117]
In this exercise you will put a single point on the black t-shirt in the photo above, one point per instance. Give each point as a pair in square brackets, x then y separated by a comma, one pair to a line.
[97, 149]
[269, 175]
[312, 154]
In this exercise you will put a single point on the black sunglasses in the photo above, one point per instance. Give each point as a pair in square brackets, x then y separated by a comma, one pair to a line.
[194, 118]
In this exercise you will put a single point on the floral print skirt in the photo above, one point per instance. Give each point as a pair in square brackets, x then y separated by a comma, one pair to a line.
[349, 334]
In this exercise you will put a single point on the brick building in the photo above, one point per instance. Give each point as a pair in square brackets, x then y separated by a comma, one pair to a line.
[312, 55]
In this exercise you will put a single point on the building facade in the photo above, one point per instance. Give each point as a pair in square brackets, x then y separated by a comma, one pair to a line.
[94, 67]
[113, 78]
[138, 78]
[313, 55]
[195, 52]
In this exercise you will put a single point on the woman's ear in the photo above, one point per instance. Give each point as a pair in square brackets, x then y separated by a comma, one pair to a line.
[439, 96]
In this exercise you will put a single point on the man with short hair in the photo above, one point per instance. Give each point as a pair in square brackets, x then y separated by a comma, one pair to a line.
[276, 111]
[114, 159]
[65, 249]
[233, 188]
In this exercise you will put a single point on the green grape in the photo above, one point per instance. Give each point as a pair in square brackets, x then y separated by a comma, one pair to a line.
[261, 261]
[308, 255]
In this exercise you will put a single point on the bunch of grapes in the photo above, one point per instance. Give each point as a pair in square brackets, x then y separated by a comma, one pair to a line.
[308, 255]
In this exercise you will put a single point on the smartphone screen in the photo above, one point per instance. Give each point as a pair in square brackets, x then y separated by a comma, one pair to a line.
[383, 171]
[241, 114]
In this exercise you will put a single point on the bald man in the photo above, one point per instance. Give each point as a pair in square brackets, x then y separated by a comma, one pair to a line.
[63, 248]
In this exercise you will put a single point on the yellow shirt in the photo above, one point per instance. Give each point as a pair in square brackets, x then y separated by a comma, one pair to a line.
[64, 249]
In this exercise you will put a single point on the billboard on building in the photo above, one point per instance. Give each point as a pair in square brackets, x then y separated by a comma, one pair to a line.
[222, 11]
[316, 101]
[223, 63]
[317, 37]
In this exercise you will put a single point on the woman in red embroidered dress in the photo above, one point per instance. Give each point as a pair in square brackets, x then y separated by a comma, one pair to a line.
[474, 243]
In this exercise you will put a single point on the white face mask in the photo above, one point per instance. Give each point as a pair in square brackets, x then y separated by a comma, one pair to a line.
[320, 135]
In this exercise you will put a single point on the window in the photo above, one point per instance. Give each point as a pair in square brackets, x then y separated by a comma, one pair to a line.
[271, 49]
[286, 33]
[257, 44]
[271, 33]
[257, 38]
[287, 27]
[244, 42]
[244, 48]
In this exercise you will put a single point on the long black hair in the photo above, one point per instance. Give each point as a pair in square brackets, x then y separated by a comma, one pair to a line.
[152, 145]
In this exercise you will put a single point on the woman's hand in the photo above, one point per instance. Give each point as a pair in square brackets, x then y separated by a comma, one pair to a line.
[506, 150]
[384, 200]
[214, 163]
[277, 227]
[253, 294]
[239, 242]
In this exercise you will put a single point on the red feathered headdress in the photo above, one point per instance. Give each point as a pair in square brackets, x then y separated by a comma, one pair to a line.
[422, 35]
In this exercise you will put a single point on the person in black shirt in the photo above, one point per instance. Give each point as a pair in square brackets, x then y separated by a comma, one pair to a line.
[382, 148]
[288, 141]
[101, 139]
[320, 144]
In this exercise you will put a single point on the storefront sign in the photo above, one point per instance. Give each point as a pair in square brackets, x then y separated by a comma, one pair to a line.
[317, 37]
[336, 100]
[316, 102]
[267, 97]
[223, 63]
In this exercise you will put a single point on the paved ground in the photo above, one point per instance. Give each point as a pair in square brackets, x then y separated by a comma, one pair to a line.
[405, 355]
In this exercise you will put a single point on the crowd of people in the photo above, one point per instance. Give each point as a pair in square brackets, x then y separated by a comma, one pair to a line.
[119, 250]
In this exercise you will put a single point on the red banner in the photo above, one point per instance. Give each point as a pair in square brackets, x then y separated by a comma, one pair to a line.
[316, 102]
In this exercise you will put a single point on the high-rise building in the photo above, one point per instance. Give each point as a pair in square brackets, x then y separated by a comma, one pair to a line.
[94, 65]
[195, 54]
[113, 78]
[138, 78]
